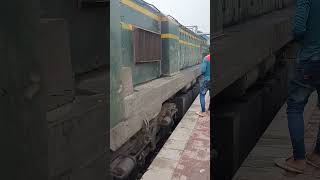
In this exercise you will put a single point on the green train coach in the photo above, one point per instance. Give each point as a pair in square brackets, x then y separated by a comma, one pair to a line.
[153, 44]
[154, 71]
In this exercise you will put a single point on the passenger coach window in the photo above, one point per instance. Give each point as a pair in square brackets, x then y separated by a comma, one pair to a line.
[146, 46]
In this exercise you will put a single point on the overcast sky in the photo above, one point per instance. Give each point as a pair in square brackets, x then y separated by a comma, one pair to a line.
[187, 12]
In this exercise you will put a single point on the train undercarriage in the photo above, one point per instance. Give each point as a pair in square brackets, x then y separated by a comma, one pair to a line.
[130, 161]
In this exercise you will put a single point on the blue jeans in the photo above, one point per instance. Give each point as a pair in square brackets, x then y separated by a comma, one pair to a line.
[305, 81]
[204, 87]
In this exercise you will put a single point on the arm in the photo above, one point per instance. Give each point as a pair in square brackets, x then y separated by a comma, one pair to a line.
[301, 18]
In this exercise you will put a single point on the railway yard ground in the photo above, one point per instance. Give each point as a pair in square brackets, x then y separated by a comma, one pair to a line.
[186, 154]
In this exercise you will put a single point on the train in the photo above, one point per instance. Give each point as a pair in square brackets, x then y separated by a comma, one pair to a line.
[153, 68]
[154, 78]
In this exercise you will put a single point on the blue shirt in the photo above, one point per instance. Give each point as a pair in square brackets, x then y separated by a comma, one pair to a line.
[205, 68]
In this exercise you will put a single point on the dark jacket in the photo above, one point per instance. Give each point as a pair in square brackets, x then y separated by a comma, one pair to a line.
[307, 27]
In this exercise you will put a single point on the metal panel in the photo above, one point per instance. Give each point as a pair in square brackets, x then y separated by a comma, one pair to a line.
[141, 72]
[116, 100]
[77, 134]
[235, 11]
[55, 55]
[146, 46]
[22, 111]
[133, 16]
[170, 48]
[88, 37]
[249, 46]
[92, 3]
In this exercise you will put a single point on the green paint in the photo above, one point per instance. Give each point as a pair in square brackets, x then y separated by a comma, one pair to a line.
[175, 56]
[178, 56]
[131, 16]
[170, 50]
[141, 72]
[116, 100]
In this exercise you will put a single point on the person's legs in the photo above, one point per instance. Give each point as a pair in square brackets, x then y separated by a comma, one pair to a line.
[203, 102]
[299, 91]
[202, 94]
[298, 97]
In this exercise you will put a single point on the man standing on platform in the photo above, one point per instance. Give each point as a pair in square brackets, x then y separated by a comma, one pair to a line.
[306, 80]
[204, 84]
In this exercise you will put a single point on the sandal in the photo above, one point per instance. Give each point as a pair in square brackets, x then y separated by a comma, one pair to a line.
[282, 163]
[200, 114]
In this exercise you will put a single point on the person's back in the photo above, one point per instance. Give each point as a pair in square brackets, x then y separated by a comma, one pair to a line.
[307, 27]
[205, 67]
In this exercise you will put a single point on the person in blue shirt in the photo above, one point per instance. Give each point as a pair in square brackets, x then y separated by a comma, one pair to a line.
[307, 79]
[204, 83]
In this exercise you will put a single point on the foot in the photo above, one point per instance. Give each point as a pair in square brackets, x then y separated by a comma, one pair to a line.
[297, 166]
[202, 114]
[313, 159]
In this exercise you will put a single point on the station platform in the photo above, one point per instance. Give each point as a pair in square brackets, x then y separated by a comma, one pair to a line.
[275, 143]
[186, 154]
